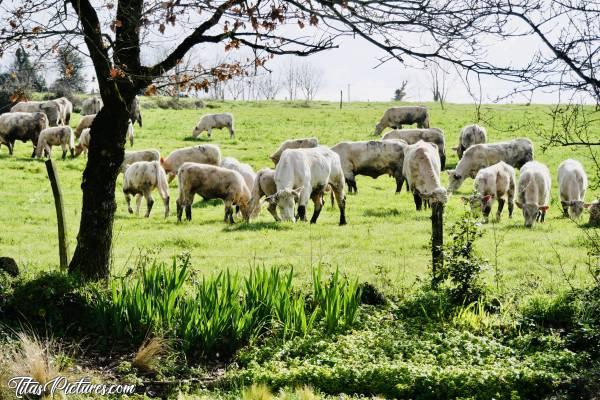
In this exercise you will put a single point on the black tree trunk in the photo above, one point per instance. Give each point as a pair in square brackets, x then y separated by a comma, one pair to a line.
[92, 256]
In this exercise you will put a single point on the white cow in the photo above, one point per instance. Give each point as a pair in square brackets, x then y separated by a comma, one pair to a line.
[304, 143]
[264, 185]
[496, 182]
[203, 154]
[515, 153]
[534, 192]
[209, 122]
[56, 136]
[395, 117]
[470, 135]
[131, 157]
[140, 179]
[304, 174]
[422, 171]
[412, 136]
[244, 169]
[572, 185]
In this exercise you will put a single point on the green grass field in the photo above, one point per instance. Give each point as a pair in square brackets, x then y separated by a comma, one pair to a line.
[384, 232]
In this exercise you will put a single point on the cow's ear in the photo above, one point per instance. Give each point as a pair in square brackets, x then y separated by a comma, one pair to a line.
[487, 198]
[587, 205]
[162, 160]
[450, 172]
[296, 192]
[544, 208]
[518, 204]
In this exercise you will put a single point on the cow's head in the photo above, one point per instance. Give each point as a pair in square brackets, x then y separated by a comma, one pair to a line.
[454, 180]
[530, 212]
[285, 200]
[575, 208]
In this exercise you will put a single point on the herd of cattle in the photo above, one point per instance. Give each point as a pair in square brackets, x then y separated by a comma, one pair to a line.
[305, 170]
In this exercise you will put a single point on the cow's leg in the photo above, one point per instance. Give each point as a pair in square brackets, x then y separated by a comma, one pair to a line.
[501, 202]
[149, 202]
[301, 213]
[64, 150]
[399, 182]
[188, 212]
[340, 198]
[511, 200]
[209, 132]
[273, 210]
[417, 199]
[231, 132]
[317, 199]
[10, 146]
[179, 210]
[565, 209]
[426, 204]
[443, 161]
[542, 216]
[138, 203]
[128, 198]
[229, 211]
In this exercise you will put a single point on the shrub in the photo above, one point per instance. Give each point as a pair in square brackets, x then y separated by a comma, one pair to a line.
[558, 311]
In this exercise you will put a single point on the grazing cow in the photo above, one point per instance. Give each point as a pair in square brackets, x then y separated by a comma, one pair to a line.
[244, 169]
[84, 123]
[534, 192]
[264, 185]
[572, 185]
[304, 174]
[470, 135]
[515, 153]
[22, 126]
[90, 106]
[305, 143]
[131, 157]
[66, 109]
[212, 182]
[50, 107]
[372, 158]
[203, 154]
[494, 182]
[395, 117]
[412, 136]
[422, 171]
[55, 136]
[84, 142]
[209, 122]
[135, 113]
[140, 179]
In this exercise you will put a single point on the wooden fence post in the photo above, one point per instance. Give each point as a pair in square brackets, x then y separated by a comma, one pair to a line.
[63, 249]
[437, 240]
[341, 99]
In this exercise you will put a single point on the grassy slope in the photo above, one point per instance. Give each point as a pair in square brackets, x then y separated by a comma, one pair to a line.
[384, 231]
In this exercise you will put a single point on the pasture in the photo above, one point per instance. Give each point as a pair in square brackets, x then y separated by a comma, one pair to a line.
[385, 236]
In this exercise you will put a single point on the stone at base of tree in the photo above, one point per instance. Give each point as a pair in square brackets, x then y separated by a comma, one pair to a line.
[595, 214]
[9, 265]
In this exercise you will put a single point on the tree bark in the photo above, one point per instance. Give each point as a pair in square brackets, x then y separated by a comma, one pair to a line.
[92, 256]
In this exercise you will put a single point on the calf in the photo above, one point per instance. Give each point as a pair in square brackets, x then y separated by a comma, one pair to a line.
[22, 126]
[211, 182]
[372, 158]
[515, 153]
[56, 136]
[84, 123]
[140, 179]
[131, 157]
[534, 192]
[572, 185]
[244, 169]
[412, 136]
[304, 174]
[395, 117]
[422, 171]
[209, 122]
[494, 182]
[470, 135]
[83, 143]
[66, 109]
[203, 154]
[305, 143]
[90, 106]
[264, 185]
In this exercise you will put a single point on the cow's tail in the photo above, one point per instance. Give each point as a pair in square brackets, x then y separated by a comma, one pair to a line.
[71, 139]
[182, 196]
[161, 181]
[255, 195]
